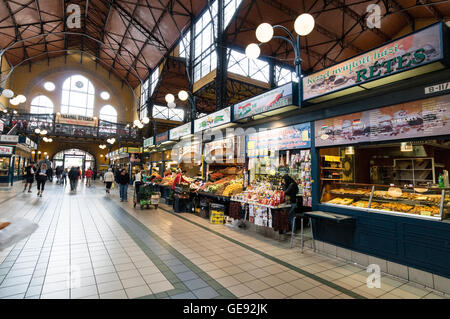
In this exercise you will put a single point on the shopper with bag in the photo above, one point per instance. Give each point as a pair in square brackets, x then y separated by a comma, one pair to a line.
[109, 180]
[29, 176]
[41, 178]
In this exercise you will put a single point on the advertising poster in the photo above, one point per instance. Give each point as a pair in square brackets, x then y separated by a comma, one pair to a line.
[6, 150]
[180, 131]
[285, 138]
[269, 101]
[212, 120]
[406, 53]
[429, 117]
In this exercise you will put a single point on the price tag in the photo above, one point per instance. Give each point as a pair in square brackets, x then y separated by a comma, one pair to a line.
[360, 205]
[425, 213]
[251, 145]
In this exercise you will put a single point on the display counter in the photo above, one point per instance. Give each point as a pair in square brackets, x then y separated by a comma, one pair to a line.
[15, 155]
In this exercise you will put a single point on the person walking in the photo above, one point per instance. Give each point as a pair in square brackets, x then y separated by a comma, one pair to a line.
[94, 171]
[64, 177]
[59, 171]
[49, 173]
[109, 179]
[123, 179]
[41, 178]
[88, 174]
[29, 176]
[74, 175]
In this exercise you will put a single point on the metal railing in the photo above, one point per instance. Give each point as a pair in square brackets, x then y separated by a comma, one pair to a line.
[26, 123]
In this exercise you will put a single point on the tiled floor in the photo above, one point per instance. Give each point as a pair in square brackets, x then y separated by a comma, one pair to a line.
[90, 245]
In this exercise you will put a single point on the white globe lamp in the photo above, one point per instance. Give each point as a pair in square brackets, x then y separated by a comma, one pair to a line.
[14, 101]
[8, 93]
[264, 32]
[183, 95]
[170, 98]
[171, 105]
[21, 98]
[146, 120]
[252, 51]
[304, 24]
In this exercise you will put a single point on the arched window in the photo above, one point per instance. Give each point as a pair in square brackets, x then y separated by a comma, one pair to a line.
[78, 95]
[41, 105]
[108, 113]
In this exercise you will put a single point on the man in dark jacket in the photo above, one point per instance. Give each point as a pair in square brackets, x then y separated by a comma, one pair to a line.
[291, 189]
[123, 179]
[74, 175]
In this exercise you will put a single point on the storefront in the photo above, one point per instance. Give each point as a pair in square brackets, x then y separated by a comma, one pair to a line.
[15, 155]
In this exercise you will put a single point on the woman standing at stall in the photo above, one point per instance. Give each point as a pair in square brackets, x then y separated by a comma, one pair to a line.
[291, 189]
[41, 178]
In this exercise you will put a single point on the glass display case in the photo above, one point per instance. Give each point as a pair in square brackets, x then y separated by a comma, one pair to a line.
[4, 166]
[419, 202]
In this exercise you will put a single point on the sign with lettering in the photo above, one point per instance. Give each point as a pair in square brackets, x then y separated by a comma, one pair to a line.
[134, 150]
[76, 119]
[428, 117]
[272, 100]
[437, 88]
[261, 144]
[213, 120]
[149, 142]
[9, 138]
[180, 131]
[162, 137]
[416, 49]
[6, 150]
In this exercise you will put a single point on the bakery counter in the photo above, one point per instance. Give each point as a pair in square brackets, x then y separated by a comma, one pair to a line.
[415, 202]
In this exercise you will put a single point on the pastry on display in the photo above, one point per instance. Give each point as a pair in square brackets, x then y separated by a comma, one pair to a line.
[361, 203]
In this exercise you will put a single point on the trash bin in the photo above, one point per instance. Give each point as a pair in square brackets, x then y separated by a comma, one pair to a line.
[204, 208]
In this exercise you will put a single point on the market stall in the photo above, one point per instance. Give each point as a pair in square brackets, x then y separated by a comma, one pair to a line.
[15, 155]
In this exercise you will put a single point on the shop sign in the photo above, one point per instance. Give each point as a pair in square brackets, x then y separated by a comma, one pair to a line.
[219, 146]
[428, 117]
[269, 101]
[286, 138]
[180, 131]
[213, 120]
[149, 142]
[76, 120]
[123, 150]
[162, 137]
[409, 52]
[6, 150]
[134, 150]
[9, 138]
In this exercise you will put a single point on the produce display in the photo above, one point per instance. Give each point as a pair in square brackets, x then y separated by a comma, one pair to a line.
[261, 194]
[226, 186]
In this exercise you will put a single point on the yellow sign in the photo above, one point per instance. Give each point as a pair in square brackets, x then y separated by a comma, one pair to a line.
[250, 145]
[330, 158]
[134, 150]
[425, 213]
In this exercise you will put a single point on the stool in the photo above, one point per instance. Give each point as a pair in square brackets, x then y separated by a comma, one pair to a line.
[301, 216]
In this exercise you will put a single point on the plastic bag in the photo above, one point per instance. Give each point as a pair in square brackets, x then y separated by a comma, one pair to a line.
[19, 229]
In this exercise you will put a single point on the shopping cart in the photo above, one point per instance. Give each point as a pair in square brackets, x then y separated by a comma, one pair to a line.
[145, 195]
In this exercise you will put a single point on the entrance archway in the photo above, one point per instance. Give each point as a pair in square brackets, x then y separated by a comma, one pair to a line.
[74, 157]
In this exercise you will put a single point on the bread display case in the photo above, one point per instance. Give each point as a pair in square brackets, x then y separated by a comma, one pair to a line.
[418, 202]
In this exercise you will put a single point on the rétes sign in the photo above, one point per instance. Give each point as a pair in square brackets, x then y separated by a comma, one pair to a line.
[417, 49]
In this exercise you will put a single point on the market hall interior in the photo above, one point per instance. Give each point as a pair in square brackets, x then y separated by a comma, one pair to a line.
[224, 149]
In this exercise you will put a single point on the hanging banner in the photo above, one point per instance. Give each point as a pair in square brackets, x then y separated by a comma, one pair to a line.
[161, 138]
[285, 138]
[180, 131]
[269, 101]
[428, 117]
[409, 52]
[213, 120]
[76, 120]
[6, 150]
